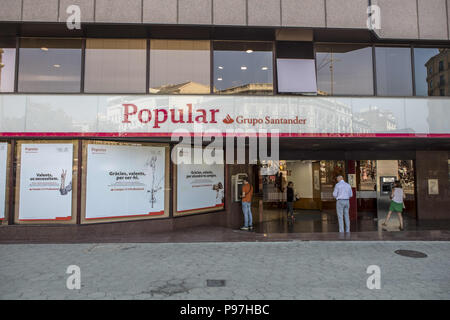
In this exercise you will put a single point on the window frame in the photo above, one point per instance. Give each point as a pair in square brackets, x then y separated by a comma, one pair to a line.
[413, 78]
[146, 80]
[11, 43]
[274, 68]
[368, 45]
[211, 61]
[17, 67]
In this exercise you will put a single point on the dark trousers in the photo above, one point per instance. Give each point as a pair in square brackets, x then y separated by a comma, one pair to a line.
[290, 208]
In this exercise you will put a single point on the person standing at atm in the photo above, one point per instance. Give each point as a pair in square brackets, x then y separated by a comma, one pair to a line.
[247, 194]
[342, 193]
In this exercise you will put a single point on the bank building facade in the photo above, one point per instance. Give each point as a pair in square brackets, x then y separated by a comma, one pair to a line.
[146, 116]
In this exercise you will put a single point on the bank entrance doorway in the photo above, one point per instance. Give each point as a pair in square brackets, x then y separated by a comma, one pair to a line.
[314, 206]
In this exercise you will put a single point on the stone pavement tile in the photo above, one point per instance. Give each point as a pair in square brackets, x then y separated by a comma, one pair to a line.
[296, 270]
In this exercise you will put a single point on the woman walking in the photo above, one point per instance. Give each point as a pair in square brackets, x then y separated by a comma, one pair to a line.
[397, 197]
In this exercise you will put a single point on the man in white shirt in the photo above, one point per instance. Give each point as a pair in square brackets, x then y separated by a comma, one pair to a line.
[342, 193]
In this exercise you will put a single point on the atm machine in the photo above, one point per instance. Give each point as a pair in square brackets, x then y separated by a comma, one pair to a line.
[237, 182]
[386, 184]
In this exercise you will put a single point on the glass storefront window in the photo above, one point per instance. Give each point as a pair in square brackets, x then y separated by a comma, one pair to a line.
[344, 69]
[115, 65]
[367, 175]
[243, 67]
[7, 65]
[394, 73]
[49, 65]
[180, 67]
[406, 176]
[329, 170]
[430, 80]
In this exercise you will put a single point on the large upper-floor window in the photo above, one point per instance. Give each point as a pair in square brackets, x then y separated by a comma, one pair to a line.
[7, 64]
[49, 65]
[243, 67]
[344, 69]
[115, 65]
[394, 71]
[180, 66]
[121, 66]
[429, 59]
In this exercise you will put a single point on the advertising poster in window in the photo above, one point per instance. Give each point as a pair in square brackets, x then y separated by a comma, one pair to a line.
[125, 181]
[200, 188]
[3, 167]
[45, 181]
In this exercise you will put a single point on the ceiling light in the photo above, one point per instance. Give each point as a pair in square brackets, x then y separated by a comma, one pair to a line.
[219, 79]
[44, 49]
[220, 67]
[57, 65]
[243, 68]
[249, 51]
[264, 68]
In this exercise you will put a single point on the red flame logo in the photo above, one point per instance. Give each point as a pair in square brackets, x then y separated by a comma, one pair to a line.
[228, 120]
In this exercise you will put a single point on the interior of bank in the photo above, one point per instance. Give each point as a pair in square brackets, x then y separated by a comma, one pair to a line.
[314, 205]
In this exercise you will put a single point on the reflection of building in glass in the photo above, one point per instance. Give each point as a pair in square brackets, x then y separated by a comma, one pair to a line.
[379, 120]
[182, 88]
[250, 88]
[360, 125]
[327, 115]
[438, 74]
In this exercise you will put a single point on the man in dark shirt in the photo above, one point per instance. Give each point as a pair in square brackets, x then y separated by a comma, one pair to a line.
[290, 198]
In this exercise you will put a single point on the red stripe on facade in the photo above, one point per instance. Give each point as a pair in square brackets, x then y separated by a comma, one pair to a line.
[169, 134]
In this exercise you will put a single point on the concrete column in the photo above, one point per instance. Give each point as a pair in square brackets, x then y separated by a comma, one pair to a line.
[432, 165]
[353, 212]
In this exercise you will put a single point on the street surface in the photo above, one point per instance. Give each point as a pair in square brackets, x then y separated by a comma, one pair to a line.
[251, 270]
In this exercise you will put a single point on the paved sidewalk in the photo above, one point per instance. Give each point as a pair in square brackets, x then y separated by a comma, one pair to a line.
[252, 270]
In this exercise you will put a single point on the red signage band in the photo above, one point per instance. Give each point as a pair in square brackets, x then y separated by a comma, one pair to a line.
[223, 134]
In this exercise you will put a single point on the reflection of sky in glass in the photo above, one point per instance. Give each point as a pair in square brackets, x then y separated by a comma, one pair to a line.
[8, 70]
[352, 72]
[421, 56]
[394, 74]
[228, 67]
[55, 70]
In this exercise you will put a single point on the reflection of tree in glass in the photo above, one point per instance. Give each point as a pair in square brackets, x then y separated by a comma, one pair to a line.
[151, 164]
